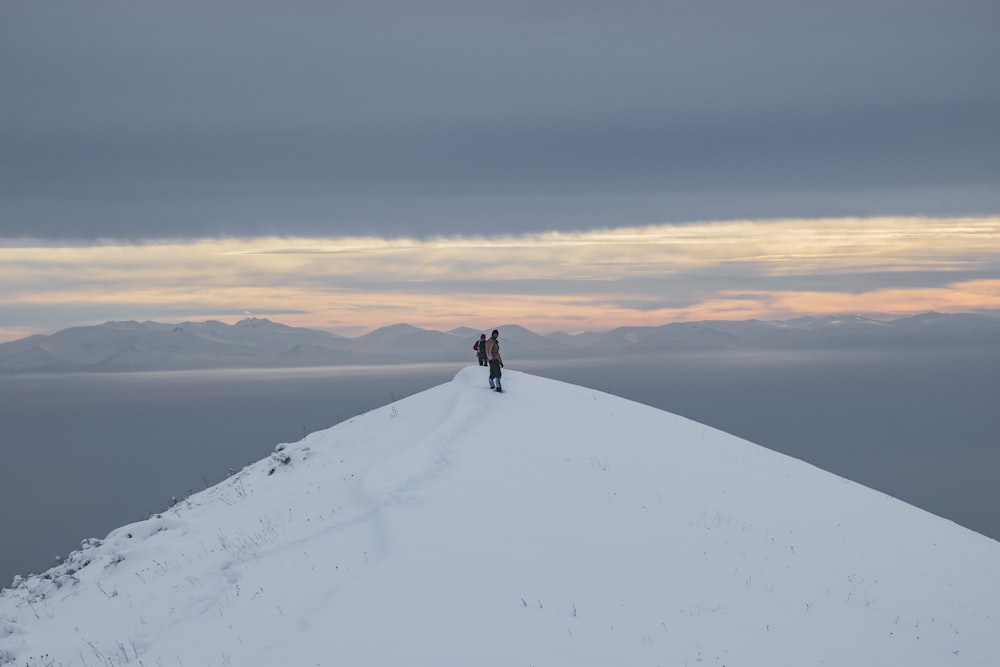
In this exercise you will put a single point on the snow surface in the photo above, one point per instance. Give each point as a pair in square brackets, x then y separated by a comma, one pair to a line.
[550, 525]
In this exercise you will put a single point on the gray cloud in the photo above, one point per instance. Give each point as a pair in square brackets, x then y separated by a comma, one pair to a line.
[676, 289]
[219, 118]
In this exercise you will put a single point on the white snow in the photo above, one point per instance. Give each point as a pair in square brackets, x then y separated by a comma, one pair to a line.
[550, 525]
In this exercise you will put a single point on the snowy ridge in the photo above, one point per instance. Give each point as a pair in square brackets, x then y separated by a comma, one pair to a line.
[551, 525]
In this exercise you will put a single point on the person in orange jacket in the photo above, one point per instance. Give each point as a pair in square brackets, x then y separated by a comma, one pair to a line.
[495, 360]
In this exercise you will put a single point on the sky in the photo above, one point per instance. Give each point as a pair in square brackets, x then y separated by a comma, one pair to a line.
[564, 526]
[453, 163]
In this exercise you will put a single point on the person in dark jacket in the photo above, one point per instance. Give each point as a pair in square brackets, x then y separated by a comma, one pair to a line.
[480, 348]
[495, 360]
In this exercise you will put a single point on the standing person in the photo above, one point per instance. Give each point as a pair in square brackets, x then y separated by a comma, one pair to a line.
[495, 360]
[480, 348]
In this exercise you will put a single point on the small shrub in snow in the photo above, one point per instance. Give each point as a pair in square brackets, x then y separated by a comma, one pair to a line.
[279, 457]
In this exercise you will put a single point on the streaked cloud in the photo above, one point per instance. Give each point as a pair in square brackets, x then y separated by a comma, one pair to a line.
[547, 281]
[347, 165]
[187, 119]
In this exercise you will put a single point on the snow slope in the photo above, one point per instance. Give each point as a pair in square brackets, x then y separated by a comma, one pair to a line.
[551, 525]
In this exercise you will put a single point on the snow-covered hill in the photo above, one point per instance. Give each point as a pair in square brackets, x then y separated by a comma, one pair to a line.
[551, 525]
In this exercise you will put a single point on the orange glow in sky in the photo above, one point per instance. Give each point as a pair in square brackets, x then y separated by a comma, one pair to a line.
[551, 281]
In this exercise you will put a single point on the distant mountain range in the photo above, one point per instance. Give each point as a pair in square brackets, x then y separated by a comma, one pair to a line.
[261, 343]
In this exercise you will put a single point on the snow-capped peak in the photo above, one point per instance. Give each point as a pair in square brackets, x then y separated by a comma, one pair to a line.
[550, 525]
